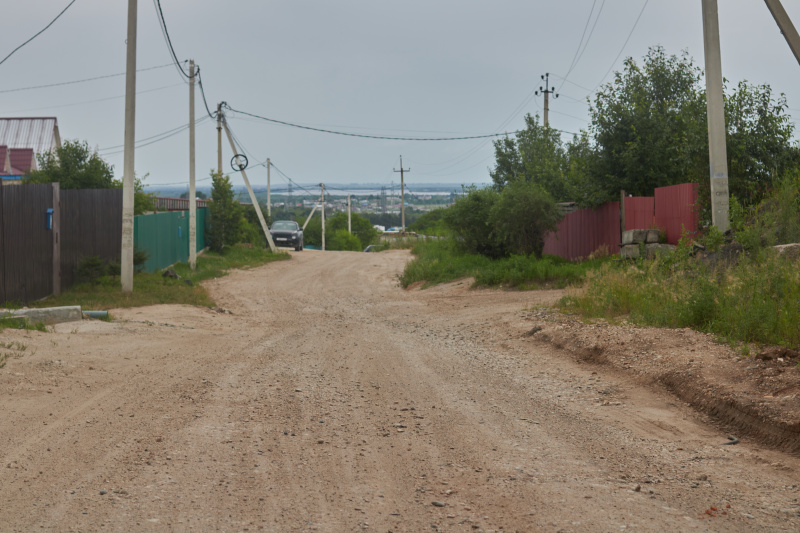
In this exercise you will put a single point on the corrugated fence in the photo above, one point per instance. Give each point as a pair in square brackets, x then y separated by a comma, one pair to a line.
[165, 236]
[26, 245]
[582, 232]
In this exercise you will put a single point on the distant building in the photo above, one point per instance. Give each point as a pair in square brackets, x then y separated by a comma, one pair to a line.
[21, 140]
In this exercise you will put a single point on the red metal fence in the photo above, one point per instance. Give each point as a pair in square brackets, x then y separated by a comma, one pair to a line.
[676, 211]
[582, 232]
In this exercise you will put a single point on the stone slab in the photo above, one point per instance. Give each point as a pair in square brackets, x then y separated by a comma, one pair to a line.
[47, 315]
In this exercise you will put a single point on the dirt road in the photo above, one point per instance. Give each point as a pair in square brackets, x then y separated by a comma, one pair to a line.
[332, 400]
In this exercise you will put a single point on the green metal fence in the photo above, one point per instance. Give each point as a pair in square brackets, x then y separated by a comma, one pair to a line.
[165, 236]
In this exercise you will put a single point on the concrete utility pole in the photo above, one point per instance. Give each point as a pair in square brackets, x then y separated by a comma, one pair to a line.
[269, 186]
[717, 150]
[126, 258]
[786, 26]
[349, 230]
[322, 201]
[547, 91]
[250, 191]
[219, 138]
[192, 191]
[402, 195]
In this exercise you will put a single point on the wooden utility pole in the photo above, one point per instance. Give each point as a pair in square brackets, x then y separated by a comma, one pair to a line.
[717, 150]
[250, 191]
[126, 257]
[192, 192]
[402, 195]
[322, 201]
[547, 91]
[349, 230]
[785, 24]
[219, 138]
[269, 186]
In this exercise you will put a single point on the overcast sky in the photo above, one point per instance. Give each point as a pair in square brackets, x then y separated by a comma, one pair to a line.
[415, 68]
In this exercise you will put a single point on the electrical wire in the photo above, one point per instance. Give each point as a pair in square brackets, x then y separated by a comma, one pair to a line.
[163, 25]
[168, 133]
[99, 99]
[577, 51]
[38, 34]
[364, 136]
[79, 81]
[623, 46]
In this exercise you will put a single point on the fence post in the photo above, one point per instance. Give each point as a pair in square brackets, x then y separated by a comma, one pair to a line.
[621, 214]
[56, 239]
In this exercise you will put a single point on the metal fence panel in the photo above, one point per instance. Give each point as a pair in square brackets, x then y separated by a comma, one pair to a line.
[91, 225]
[639, 212]
[165, 237]
[27, 244]
[676, 210]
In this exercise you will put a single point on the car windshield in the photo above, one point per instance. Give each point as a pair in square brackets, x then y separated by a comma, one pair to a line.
[285, 226]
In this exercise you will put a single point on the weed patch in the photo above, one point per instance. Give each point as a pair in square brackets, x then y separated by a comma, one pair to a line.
[442, 261]
[152, 289]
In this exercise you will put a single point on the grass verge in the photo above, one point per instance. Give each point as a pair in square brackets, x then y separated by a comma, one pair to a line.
[755, 301]
[440, 262]
[150, 289]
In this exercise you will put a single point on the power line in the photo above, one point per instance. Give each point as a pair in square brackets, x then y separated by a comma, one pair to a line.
[363, 136]
[577, 51]
[38, 34]
[99, 99]
[165, 32]
[623, 46]
[165, 134]
[80, 81]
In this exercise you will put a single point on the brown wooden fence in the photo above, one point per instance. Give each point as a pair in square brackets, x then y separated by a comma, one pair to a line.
[37, 260]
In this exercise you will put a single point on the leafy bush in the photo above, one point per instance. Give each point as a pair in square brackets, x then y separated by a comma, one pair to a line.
[469, 220]
[344, 240]
[522, 216]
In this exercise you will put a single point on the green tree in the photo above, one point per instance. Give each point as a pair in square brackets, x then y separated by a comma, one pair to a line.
[361, 227]
[225, 214]
[523, 215]
[649, 126]
[759, 141]
[74, 166]
[649, 129]
[431, 223]
[537, 155]
[469, 220]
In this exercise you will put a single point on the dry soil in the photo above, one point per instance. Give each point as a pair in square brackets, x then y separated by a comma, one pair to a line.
[329, 399]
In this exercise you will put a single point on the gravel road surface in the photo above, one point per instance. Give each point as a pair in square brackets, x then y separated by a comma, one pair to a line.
[329, 399]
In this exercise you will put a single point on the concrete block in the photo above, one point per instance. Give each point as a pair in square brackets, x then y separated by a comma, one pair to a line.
[629, 251]
[652, 236]
[48, 315]
[634, 236]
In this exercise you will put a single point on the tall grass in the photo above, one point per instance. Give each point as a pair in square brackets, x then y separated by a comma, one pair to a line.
[441, 261]
[757, 300]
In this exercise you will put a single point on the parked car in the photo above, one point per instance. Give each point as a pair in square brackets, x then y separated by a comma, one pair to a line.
[287, 233]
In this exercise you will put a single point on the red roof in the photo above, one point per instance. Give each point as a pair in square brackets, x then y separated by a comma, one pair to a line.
[21, 160]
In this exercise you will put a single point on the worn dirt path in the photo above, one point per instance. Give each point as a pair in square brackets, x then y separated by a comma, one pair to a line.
[332, 400]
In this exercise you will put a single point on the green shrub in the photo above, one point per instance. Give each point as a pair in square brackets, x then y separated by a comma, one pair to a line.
[344, 240]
